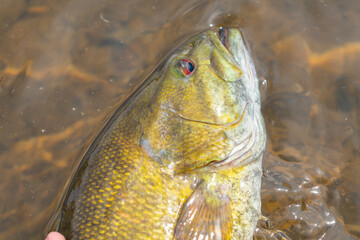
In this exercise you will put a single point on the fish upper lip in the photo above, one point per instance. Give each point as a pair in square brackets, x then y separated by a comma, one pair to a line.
[224, 51]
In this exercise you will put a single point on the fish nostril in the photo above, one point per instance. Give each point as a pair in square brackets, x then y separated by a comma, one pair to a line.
[223, 35]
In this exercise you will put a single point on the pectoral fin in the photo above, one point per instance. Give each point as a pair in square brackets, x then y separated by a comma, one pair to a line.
[205, 215]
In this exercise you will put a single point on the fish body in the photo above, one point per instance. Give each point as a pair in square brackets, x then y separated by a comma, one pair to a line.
[181, 158]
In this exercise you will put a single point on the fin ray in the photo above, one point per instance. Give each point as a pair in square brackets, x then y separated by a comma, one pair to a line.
[205, 215]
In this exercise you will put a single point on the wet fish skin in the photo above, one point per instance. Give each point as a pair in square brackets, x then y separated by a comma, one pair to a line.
[181, 158]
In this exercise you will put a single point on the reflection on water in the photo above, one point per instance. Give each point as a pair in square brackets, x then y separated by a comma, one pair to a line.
[66, 65]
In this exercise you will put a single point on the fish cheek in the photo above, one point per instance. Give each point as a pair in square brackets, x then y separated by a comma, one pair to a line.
[183, 145]
[208, 99]
[202, 145]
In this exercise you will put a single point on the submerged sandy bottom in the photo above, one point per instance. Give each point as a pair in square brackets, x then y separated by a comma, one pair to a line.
[65, 66]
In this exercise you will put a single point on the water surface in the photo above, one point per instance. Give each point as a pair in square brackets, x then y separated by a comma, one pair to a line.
[66, 65]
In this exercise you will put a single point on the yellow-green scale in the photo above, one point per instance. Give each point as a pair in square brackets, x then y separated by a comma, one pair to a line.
[123, 193]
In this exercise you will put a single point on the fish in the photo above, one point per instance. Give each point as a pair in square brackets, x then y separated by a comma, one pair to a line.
[181, 158]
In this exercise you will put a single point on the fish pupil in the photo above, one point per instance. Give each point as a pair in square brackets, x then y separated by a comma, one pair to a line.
[190, 67]
[187, 66]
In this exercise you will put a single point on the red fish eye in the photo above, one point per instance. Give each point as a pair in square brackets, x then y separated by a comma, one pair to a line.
[187, 66]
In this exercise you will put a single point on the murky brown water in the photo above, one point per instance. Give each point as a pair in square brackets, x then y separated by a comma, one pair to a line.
[66, 65]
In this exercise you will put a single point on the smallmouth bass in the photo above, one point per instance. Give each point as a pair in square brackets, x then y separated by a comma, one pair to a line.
[181, 158]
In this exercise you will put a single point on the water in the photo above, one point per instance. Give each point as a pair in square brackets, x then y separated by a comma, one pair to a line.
[66, 65]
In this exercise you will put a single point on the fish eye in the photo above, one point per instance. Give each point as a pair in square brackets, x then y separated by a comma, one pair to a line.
[186, 66]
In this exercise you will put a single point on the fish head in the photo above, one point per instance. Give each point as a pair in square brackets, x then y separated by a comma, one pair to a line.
[205, 109]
